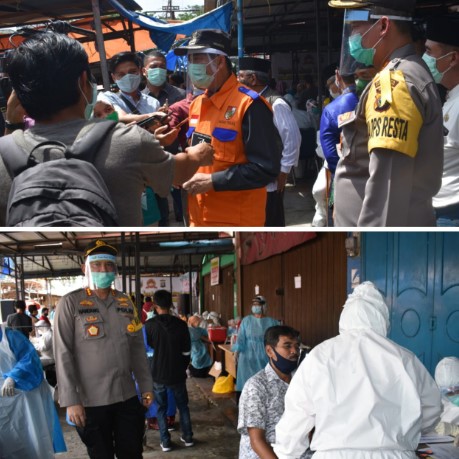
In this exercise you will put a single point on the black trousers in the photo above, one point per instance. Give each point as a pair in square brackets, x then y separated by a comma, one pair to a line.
[275, 209]
[114, 429]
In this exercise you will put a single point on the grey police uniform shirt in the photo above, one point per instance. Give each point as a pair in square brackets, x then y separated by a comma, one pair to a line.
[98, 349]
[129, 159]
[386, 187]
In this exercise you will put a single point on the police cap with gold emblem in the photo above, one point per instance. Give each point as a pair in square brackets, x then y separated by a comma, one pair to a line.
[99, 246]
[443, 29]
[397, 8]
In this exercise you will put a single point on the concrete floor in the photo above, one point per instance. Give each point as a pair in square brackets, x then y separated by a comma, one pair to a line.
[214, 420]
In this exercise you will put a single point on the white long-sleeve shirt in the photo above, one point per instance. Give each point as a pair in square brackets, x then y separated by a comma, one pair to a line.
[290, 135]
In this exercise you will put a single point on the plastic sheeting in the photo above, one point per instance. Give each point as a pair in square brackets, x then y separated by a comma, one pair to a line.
[164, 34]
[250, 347]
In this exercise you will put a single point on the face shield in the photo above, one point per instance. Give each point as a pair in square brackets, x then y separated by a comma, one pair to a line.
[100, 270]
[201, 71]
[353, 21]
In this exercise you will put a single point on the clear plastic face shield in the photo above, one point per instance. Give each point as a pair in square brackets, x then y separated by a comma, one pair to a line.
[100, 270]
[201, 70]
[355, 22]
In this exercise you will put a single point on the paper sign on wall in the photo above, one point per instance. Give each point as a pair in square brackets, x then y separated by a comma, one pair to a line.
[297, 281]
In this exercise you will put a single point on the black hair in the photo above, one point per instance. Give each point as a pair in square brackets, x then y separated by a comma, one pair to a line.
[272, 334]
[152, 54]
[162, 299]
[125, 56]
[45, 71]
[176, 78]
[20, 304]
[44, 309]
[147, 299]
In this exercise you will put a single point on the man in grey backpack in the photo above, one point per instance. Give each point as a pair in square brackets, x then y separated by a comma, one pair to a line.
[51, 77]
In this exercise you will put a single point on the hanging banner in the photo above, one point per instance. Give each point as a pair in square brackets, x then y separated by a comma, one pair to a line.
[215, 271]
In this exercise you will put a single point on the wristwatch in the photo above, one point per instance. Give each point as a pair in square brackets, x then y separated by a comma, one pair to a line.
[14, 126]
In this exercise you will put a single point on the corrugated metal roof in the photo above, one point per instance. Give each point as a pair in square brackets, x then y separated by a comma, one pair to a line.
[57, 254]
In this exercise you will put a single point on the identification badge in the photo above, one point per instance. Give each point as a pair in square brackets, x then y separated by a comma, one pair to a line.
[198, 138]
[346, 118]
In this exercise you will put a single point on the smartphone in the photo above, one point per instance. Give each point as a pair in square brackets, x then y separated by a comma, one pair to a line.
[148, 121]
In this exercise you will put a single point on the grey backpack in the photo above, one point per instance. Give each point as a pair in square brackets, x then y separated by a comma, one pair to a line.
[68, 191]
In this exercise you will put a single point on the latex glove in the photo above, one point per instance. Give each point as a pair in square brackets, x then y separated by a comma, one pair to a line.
[8, 387]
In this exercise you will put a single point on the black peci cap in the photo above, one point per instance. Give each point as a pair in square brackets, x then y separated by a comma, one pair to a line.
[443, 29]
[206, 38]
[255, 64]
[99, 246]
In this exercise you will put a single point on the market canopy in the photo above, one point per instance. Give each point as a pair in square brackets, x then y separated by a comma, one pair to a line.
[163, 34]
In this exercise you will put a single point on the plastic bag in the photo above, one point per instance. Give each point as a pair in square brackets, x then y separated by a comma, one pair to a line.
[223, 385]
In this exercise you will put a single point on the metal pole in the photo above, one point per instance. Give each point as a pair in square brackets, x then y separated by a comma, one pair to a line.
[22, 279]
[100, 45]
[123, 260]
[137, 272]
[319, 73]
[190, 281]
[16, 280]
[240, 29]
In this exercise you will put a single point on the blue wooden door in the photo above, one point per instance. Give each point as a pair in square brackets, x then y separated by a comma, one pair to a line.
[419, 275]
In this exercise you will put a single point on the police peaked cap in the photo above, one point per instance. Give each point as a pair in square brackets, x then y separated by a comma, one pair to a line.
[206, 38]
[403, 8]
[99, 246]
[255, 64]
[444, 29]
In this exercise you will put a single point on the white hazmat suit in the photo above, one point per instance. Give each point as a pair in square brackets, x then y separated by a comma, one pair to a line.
[367, 397]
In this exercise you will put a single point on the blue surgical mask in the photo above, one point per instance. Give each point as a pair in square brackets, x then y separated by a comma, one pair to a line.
[129, 83]
[285, 366]
[103, 279]
[257, 309]
[432, 64]
[157, 76]
[198, 75]
[358, 52]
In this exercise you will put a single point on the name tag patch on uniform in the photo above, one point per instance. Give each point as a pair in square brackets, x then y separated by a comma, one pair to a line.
[93, 330]
[230, 112]
[346, 118]
[88, 311]
[125, 310]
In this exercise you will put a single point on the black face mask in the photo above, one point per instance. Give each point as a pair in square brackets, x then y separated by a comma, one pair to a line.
[284, 365]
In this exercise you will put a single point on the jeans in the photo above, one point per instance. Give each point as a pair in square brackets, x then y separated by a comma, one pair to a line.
[181, 398]
[115, 429]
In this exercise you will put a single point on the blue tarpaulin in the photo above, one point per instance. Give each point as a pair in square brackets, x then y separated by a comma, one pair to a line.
[163, 34]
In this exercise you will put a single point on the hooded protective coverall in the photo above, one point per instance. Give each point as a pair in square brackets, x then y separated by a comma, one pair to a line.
[447, 378]
[29, 425]
[367, 397]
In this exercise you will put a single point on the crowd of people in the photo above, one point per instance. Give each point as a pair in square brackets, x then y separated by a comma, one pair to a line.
[224, 146]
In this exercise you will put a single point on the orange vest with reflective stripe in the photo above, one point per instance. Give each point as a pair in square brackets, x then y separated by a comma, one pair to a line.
[220, 117]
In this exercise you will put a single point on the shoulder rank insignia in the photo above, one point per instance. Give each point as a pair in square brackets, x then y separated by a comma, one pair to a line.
[93, 330]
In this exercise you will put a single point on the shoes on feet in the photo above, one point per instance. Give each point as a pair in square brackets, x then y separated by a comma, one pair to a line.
[188, 441]
[166, 447]
[170, 423]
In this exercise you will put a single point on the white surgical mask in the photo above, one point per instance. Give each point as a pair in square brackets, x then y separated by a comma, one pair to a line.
[89, 105]
[157, 76]
[129, 83]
